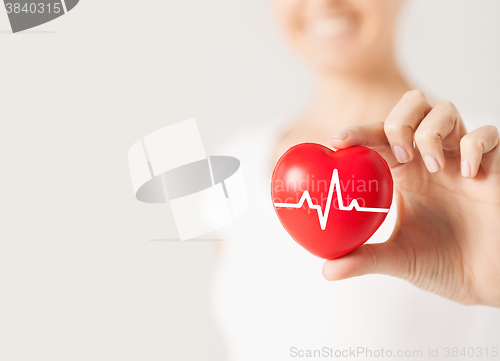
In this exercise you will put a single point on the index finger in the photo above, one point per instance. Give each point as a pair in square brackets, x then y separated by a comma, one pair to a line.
[403, 121]
[371, 135]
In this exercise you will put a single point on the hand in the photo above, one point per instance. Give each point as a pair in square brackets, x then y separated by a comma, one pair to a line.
[447, 235]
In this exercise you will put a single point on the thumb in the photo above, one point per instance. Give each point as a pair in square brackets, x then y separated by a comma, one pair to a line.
[386, 258]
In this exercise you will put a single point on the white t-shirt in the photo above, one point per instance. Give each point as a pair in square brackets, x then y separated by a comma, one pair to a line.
[271, 301]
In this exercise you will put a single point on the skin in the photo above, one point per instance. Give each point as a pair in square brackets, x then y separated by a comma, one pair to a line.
[447, 236]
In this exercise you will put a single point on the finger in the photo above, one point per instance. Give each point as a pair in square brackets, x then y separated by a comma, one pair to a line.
[385, 258]
[403, 121]
[370, 135]
[441, 129]
[480, 147]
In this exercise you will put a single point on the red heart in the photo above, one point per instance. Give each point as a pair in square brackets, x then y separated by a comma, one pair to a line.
[305, 179]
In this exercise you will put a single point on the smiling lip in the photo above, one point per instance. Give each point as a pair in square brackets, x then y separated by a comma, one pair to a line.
[329, 28]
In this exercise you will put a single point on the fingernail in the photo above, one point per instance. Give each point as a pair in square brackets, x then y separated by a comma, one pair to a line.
[340, 136]
[431, 163]
[401, 154]
[465, 169]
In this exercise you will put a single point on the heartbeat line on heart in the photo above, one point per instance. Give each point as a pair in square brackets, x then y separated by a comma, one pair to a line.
[323, 216]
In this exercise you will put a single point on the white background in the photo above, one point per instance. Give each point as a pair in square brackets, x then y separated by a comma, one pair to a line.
[79, 277]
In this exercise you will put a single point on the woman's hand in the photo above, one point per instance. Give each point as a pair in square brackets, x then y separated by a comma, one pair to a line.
[447, 235]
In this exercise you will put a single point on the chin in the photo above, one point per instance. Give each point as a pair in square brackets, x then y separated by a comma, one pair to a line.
[336, 54]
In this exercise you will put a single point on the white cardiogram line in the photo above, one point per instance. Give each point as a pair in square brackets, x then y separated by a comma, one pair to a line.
[323, 216]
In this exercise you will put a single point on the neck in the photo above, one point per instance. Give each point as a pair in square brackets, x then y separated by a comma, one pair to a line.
[341, 100]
